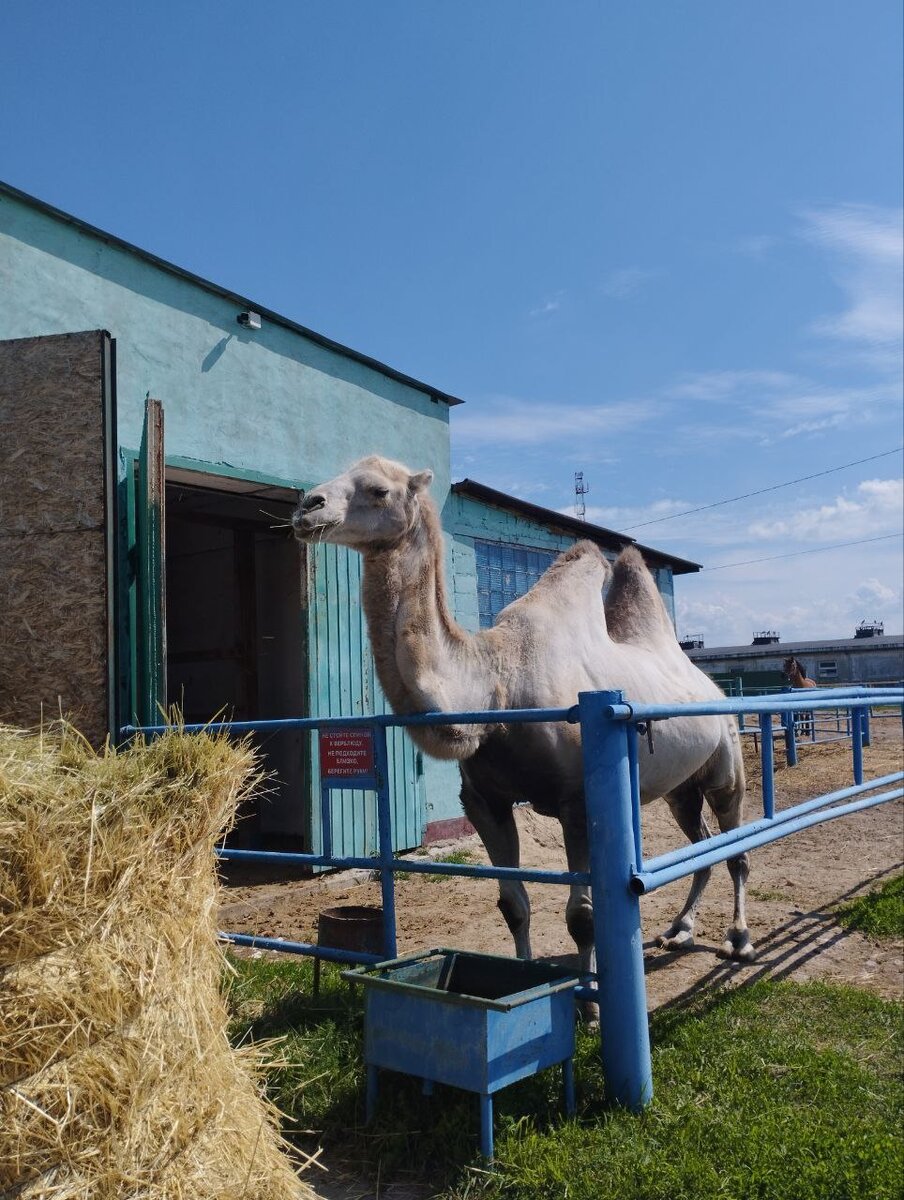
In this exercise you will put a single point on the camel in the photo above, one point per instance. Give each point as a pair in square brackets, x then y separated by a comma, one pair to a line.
[545, 648]
[796, 674]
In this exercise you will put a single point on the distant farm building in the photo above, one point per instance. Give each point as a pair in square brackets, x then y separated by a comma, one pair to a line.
[869, 658]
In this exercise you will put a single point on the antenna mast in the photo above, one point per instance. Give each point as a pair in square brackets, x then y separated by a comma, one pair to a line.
[580, 491]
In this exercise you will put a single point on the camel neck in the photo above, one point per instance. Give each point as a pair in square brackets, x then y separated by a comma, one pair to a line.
[415, 640]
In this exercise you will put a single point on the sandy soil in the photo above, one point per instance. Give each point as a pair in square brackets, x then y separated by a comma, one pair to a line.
[794, 887]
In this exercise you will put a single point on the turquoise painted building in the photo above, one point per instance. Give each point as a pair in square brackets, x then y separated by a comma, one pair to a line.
[152, 564]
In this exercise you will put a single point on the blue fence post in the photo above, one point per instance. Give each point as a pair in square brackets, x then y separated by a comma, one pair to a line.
[766, 757]
[634, 768]
[857, 742]
[790, 724]
[384, 831]
[865, 728]
[326, 820]
[624, 1032]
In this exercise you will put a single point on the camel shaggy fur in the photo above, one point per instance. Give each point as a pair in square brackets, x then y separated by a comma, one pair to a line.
[554, 642]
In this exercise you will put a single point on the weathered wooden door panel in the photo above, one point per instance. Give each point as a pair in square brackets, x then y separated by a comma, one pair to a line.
[58, 531]
[343, 683]
[150, 567]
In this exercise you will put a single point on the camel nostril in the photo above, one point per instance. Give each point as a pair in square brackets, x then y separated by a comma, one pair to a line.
[313, 500]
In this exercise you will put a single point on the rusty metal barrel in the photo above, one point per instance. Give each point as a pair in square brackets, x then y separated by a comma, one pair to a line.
[349, 927]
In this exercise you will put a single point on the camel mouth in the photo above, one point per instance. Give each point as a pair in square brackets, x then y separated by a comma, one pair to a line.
[313, 531]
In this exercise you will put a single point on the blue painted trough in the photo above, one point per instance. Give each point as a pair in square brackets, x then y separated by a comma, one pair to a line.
[472, 1021]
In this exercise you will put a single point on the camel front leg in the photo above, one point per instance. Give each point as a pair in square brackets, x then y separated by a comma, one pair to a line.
[579, 909]
[496, 828]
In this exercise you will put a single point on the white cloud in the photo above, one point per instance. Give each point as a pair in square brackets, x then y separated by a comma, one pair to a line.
[715, 386]
[875, 597]
[874, 509]
[626, 282]
[551, 305]
[823, 596]
[507, 421]
[769, 406]
[615, 517]
[867, 246]
[756, 245]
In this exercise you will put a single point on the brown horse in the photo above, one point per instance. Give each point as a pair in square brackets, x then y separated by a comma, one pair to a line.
[796, 675]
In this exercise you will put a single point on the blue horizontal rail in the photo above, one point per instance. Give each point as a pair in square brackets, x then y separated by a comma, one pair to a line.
[288, 947]
[713, 708]
[780, 818]
[511, 716]
[758, 833]
[476, 870]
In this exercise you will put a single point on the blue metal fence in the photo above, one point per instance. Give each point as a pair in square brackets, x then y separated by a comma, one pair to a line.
[618, 875]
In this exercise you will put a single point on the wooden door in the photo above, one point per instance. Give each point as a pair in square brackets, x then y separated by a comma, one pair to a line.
[150, 556]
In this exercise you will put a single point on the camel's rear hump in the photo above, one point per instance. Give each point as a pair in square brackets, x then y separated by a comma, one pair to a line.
[635, 611]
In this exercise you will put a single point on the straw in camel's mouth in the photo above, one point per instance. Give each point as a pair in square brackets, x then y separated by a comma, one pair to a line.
[307, 530]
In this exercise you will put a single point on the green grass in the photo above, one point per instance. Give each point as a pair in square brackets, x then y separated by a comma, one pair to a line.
[878, 914]
[775, 1091]
[454, 856]
[765, 894]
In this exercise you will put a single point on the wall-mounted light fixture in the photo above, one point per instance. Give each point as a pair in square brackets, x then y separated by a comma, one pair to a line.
[251, 320]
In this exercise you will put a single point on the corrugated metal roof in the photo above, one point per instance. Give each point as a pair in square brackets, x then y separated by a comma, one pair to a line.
[240, 301]
[608, 538]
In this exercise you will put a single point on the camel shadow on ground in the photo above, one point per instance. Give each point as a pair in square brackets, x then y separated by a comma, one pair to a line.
[784, 952]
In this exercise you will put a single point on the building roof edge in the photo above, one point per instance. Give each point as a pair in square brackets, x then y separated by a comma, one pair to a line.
[239, 300]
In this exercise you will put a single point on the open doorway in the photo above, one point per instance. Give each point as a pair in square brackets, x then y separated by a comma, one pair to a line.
[235, 626]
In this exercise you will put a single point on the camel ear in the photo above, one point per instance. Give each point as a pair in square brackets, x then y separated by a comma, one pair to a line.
[420, 481]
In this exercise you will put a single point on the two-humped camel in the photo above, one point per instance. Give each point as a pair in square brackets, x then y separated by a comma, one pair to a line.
[545, 648]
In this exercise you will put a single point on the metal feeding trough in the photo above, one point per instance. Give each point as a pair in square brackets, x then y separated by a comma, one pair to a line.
[473, 1021]
[349, 927]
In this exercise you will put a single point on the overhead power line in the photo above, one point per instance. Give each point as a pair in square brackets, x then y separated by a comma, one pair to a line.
[796, 553]
[760, 491]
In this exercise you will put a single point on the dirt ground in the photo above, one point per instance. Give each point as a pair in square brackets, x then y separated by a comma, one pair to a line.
[794, 887]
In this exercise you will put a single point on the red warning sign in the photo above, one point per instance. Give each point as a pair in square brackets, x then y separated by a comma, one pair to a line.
[345, 753]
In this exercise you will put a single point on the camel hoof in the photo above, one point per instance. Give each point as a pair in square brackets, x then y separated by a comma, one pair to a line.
[681, 939]
[589, 1015]
[737, 946]
[678, 936]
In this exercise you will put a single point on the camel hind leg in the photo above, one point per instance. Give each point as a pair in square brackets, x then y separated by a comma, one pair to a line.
[686, 804]
[495, 825]
[727, 802]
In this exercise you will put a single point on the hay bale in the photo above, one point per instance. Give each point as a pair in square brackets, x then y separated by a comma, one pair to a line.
[116, 1076]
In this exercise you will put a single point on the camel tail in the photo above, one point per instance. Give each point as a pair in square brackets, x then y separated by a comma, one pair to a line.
[634, 608]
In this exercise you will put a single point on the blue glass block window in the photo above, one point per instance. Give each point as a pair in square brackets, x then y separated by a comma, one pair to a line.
[504, 573]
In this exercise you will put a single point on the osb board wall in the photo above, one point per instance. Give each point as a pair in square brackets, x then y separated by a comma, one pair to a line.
[53, 653]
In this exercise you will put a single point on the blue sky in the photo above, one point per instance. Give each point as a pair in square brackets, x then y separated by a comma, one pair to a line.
[659, 243]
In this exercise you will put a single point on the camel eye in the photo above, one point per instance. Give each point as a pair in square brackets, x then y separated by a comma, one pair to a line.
[379, 493]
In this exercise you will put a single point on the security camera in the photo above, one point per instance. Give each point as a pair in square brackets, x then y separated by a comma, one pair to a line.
[251, 320]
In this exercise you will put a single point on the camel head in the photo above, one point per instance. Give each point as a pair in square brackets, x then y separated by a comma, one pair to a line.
[372, 504]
